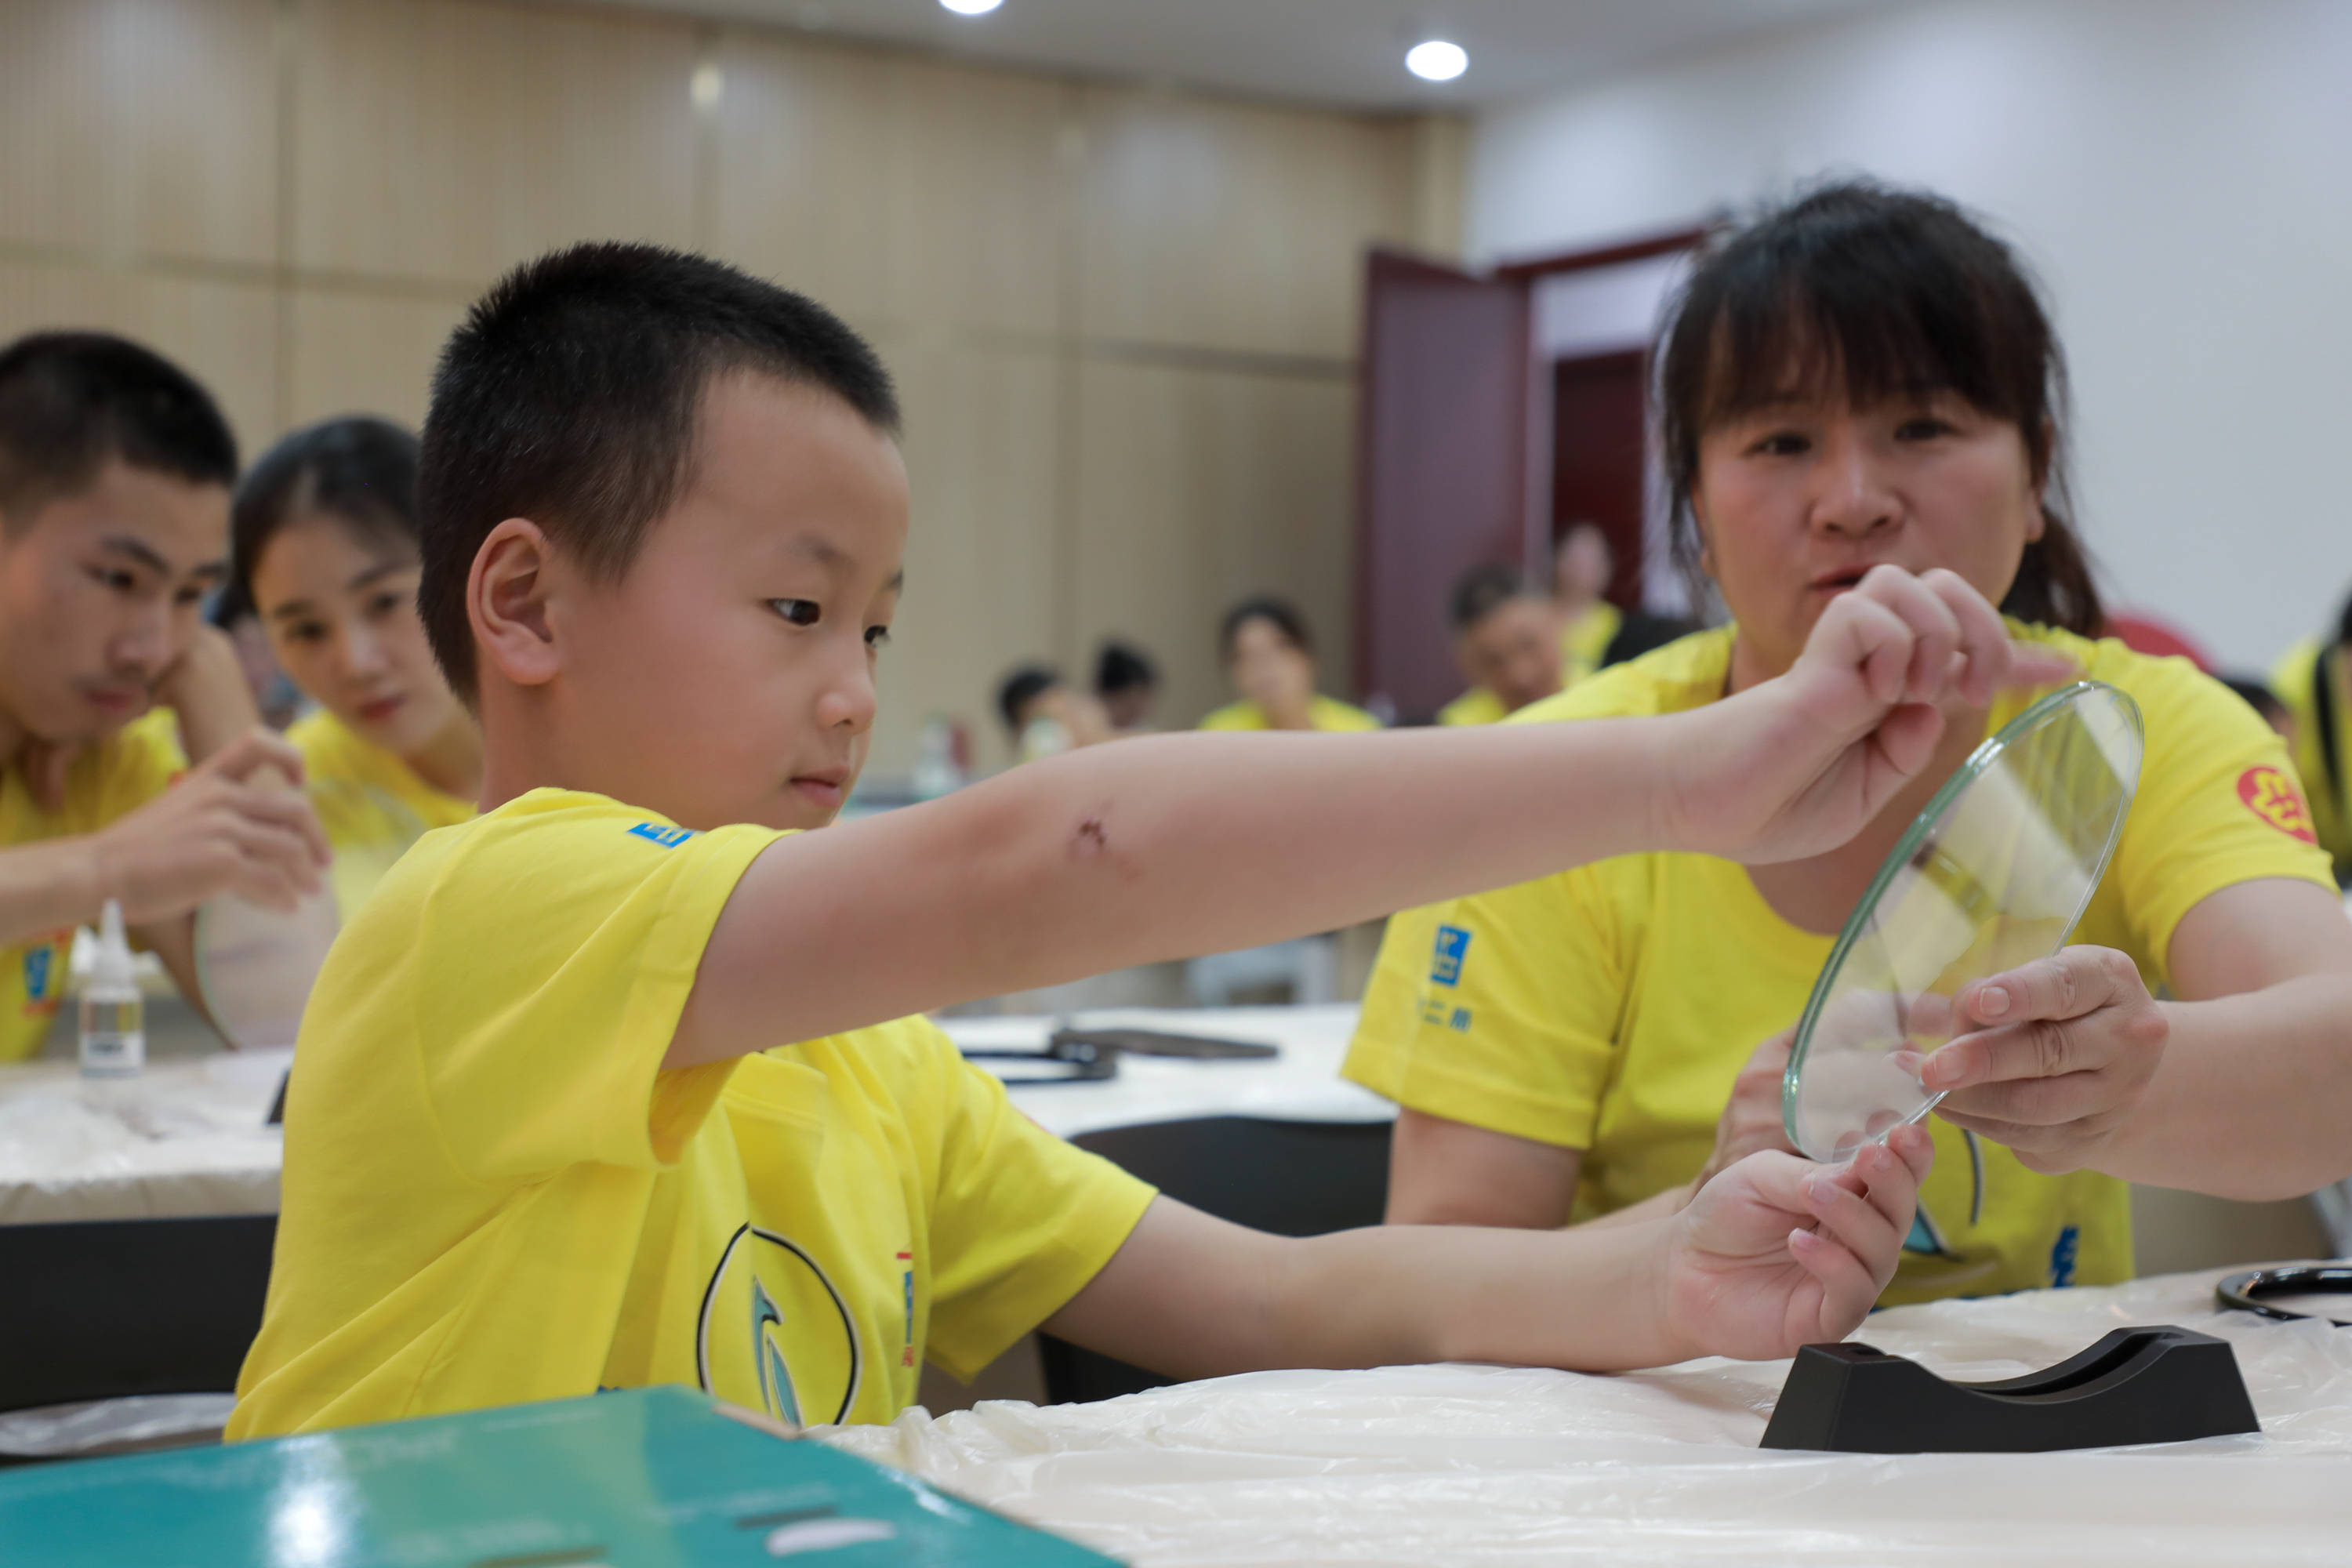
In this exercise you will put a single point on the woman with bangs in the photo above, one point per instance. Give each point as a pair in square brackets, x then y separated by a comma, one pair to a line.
[1864, 377]
[324, 542]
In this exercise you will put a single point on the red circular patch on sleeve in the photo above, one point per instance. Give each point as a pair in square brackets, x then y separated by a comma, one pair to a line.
[2272, 796]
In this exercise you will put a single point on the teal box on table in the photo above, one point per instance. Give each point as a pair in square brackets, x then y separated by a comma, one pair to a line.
[644, 1478]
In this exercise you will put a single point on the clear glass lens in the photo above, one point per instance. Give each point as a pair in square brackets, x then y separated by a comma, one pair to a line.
[1995, 872]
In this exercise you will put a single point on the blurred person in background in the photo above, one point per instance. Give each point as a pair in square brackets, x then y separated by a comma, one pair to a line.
[325, 548]
[1043, 717]
[115, 469]
[1269, 657]
[1506, 640]
[2315, 680]
[1126, 684]
[1581, 573]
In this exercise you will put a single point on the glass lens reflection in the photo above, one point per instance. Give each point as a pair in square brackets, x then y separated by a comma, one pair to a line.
[1995, 872]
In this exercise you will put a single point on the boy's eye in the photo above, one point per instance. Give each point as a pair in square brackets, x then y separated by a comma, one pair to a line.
[384, 604]
[798, 611]
[1924, 428]
[877, 636]
[188, 597]
[119, 580]
[305, 631]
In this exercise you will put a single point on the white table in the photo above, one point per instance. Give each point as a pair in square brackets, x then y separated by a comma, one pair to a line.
[1302, 1084]
[1489, 1465]
[184, 1138]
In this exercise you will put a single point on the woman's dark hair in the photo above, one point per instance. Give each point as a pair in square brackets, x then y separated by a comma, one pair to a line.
[361, 471]
[1121, 668]
[1873, 293]
[1280, 614]
[1023, 685]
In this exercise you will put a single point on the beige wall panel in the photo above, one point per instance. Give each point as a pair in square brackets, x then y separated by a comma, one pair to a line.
[983, 457]
[803, 136]
[361, 353]
[1235, 226]
[978, 196]
[140, 127]
[1198, 487]
[449, 141]
[224, 334]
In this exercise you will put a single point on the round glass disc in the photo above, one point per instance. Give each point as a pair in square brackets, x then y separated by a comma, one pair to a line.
[1995, 872]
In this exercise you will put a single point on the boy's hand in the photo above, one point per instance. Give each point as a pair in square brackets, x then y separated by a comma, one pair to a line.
[1801, 764]
[1778, 1252]
[227, 826]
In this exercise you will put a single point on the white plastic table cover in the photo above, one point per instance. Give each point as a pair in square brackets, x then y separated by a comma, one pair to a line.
[1302, 1084]
[184, 1138]
[1493, 1464]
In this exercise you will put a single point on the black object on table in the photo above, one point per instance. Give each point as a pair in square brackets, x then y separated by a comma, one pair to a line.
[2135, 1385]
[2249, 1291]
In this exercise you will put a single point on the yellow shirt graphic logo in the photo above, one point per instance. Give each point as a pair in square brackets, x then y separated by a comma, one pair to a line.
[2272, 796]
[767, 1296]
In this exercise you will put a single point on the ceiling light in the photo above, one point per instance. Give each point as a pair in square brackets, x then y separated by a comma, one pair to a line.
[1434, 60]
[971, 8]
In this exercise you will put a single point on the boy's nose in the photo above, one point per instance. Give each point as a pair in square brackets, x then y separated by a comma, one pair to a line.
[849, 704]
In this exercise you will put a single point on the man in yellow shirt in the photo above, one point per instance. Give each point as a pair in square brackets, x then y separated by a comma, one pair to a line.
[548, 1133]
[1506, 640]
[114, 475]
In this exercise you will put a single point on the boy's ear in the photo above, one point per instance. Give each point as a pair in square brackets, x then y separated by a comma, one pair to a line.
[506, 602]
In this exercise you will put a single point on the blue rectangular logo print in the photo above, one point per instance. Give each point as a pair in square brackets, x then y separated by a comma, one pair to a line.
[1453, 942]
[668, 838]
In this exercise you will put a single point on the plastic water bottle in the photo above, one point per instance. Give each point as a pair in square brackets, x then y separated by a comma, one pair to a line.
[113, 1014]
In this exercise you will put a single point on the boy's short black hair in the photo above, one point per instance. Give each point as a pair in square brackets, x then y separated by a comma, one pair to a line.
[71, 402]
[1024, 686]
[570, 396]
[1121, 668]
[356, 469]
[1483, 590]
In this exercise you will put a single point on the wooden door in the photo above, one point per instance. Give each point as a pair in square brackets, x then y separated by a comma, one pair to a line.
[1442, 465]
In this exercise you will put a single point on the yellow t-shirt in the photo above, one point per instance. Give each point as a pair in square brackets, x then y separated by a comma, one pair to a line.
[493, 1194]
[1323, 714]
[1609, 1008]
[372, 804]
[1584, 641]
[2331, 806]
[111, 779]
[1475, 706]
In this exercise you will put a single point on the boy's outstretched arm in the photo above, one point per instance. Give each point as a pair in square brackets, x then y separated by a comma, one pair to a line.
[1172, 846]
[1773, 1254]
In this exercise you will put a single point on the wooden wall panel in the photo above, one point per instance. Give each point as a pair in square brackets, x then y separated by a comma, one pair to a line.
[801, 150]
[1197, 487]
[224, 334]
[366, 353]
[436, 139]
[1231, 226]
[140, 127]
[983, 456]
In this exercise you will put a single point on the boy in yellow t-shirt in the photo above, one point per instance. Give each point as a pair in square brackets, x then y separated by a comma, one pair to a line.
[1608, 1009]
[1506, 640]
[114, 475]
[548, 1133]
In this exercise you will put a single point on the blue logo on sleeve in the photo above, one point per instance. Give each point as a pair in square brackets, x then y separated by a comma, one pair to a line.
[668, 838]
[1453, 942]
[39, 962]
[2062, 1257]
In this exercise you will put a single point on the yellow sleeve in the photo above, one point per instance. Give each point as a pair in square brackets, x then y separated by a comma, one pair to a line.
[2217, 804]
[141, 760]
[1235, 716]
[1020, 1221]
[542, 1038]
[1498, 1010]
[1475, 706]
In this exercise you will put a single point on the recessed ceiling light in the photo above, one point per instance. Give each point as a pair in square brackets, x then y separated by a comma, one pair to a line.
[1434, 60]
[971, 8]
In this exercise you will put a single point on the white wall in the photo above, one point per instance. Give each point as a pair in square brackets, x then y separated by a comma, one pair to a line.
[2180, 176]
